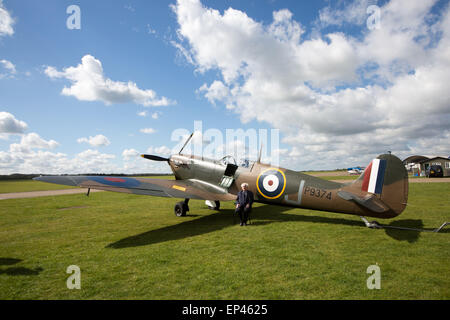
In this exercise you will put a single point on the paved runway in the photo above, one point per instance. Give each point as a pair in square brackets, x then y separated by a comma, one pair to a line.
[33, 194]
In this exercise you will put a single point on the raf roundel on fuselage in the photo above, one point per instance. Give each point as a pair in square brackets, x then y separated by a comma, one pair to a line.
[271, 183]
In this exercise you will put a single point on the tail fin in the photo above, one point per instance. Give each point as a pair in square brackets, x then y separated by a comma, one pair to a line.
[387, 178]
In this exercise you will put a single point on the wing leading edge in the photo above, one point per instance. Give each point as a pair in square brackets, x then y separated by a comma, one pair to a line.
[144, 186]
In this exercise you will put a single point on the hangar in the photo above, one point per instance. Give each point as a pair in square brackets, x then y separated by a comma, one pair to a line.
[441, 161]
[417, 165]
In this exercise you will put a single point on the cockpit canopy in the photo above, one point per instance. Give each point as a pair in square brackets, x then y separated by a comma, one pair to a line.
[245, 163]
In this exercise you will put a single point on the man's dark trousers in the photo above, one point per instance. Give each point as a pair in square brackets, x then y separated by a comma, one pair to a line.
[243, 212]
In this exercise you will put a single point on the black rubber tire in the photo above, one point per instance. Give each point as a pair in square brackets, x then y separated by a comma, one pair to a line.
[217, 207]
[180, 209]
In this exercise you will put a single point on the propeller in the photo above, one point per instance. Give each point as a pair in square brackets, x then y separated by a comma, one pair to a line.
[154, 158]
[158, 158]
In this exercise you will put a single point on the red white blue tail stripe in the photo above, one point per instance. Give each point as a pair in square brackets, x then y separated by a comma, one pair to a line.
[374, 176]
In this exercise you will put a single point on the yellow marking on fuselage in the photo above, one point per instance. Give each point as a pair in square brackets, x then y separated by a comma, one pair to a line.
[179, 188]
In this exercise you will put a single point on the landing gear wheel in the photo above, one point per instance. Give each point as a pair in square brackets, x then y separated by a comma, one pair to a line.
[181, 208]
[216, 205]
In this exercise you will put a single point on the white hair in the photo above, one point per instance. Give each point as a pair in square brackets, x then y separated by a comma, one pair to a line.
[244, 185]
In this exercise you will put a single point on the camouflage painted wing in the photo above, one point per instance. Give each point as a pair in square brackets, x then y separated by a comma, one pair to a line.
[192, 189]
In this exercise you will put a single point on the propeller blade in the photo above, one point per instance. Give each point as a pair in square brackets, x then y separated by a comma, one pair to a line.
[154, 158]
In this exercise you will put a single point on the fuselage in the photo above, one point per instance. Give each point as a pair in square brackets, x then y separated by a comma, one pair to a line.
[270, 184]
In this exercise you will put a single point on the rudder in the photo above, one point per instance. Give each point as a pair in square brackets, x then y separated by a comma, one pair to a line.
[387, 178]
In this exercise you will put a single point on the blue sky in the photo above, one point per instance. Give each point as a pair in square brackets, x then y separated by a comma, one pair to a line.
[313, 70]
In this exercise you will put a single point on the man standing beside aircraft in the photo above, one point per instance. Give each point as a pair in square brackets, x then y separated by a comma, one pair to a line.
[244, 201]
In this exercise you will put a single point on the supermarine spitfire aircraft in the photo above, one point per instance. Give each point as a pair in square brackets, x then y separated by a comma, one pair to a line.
[381, 191]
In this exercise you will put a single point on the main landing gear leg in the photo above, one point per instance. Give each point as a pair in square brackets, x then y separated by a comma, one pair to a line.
[181, 208]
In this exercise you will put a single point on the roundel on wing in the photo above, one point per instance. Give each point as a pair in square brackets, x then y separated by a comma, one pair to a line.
[122, 182]
[271, 183]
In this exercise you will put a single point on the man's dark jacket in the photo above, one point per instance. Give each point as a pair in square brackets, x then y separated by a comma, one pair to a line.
[244, 197]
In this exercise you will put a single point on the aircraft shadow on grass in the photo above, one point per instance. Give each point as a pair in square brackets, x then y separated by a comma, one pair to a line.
[264, 214]
[408, 235]
[17, 271]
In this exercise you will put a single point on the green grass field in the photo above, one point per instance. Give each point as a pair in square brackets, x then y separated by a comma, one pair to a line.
[134, 247]
[339, 177]
[10, 186]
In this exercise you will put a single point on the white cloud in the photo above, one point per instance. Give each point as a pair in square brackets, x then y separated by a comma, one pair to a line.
[401, 42]
[148, 130]
[130, 153]
[27, 145]
[182, 52]
[130, 8]
[135, 164]
[90, 154]
[217, 91]
[88, 83]
[161, 151]
[10, 125]
[22, 159]
[33, 141]
[332, 96]
[9, 69]
[88, 161]
[6, 21]
[33, 155]
[8, 163]
[150, 30]
[353, 13]
[96, 141]
[155, 115]
[9, 66]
